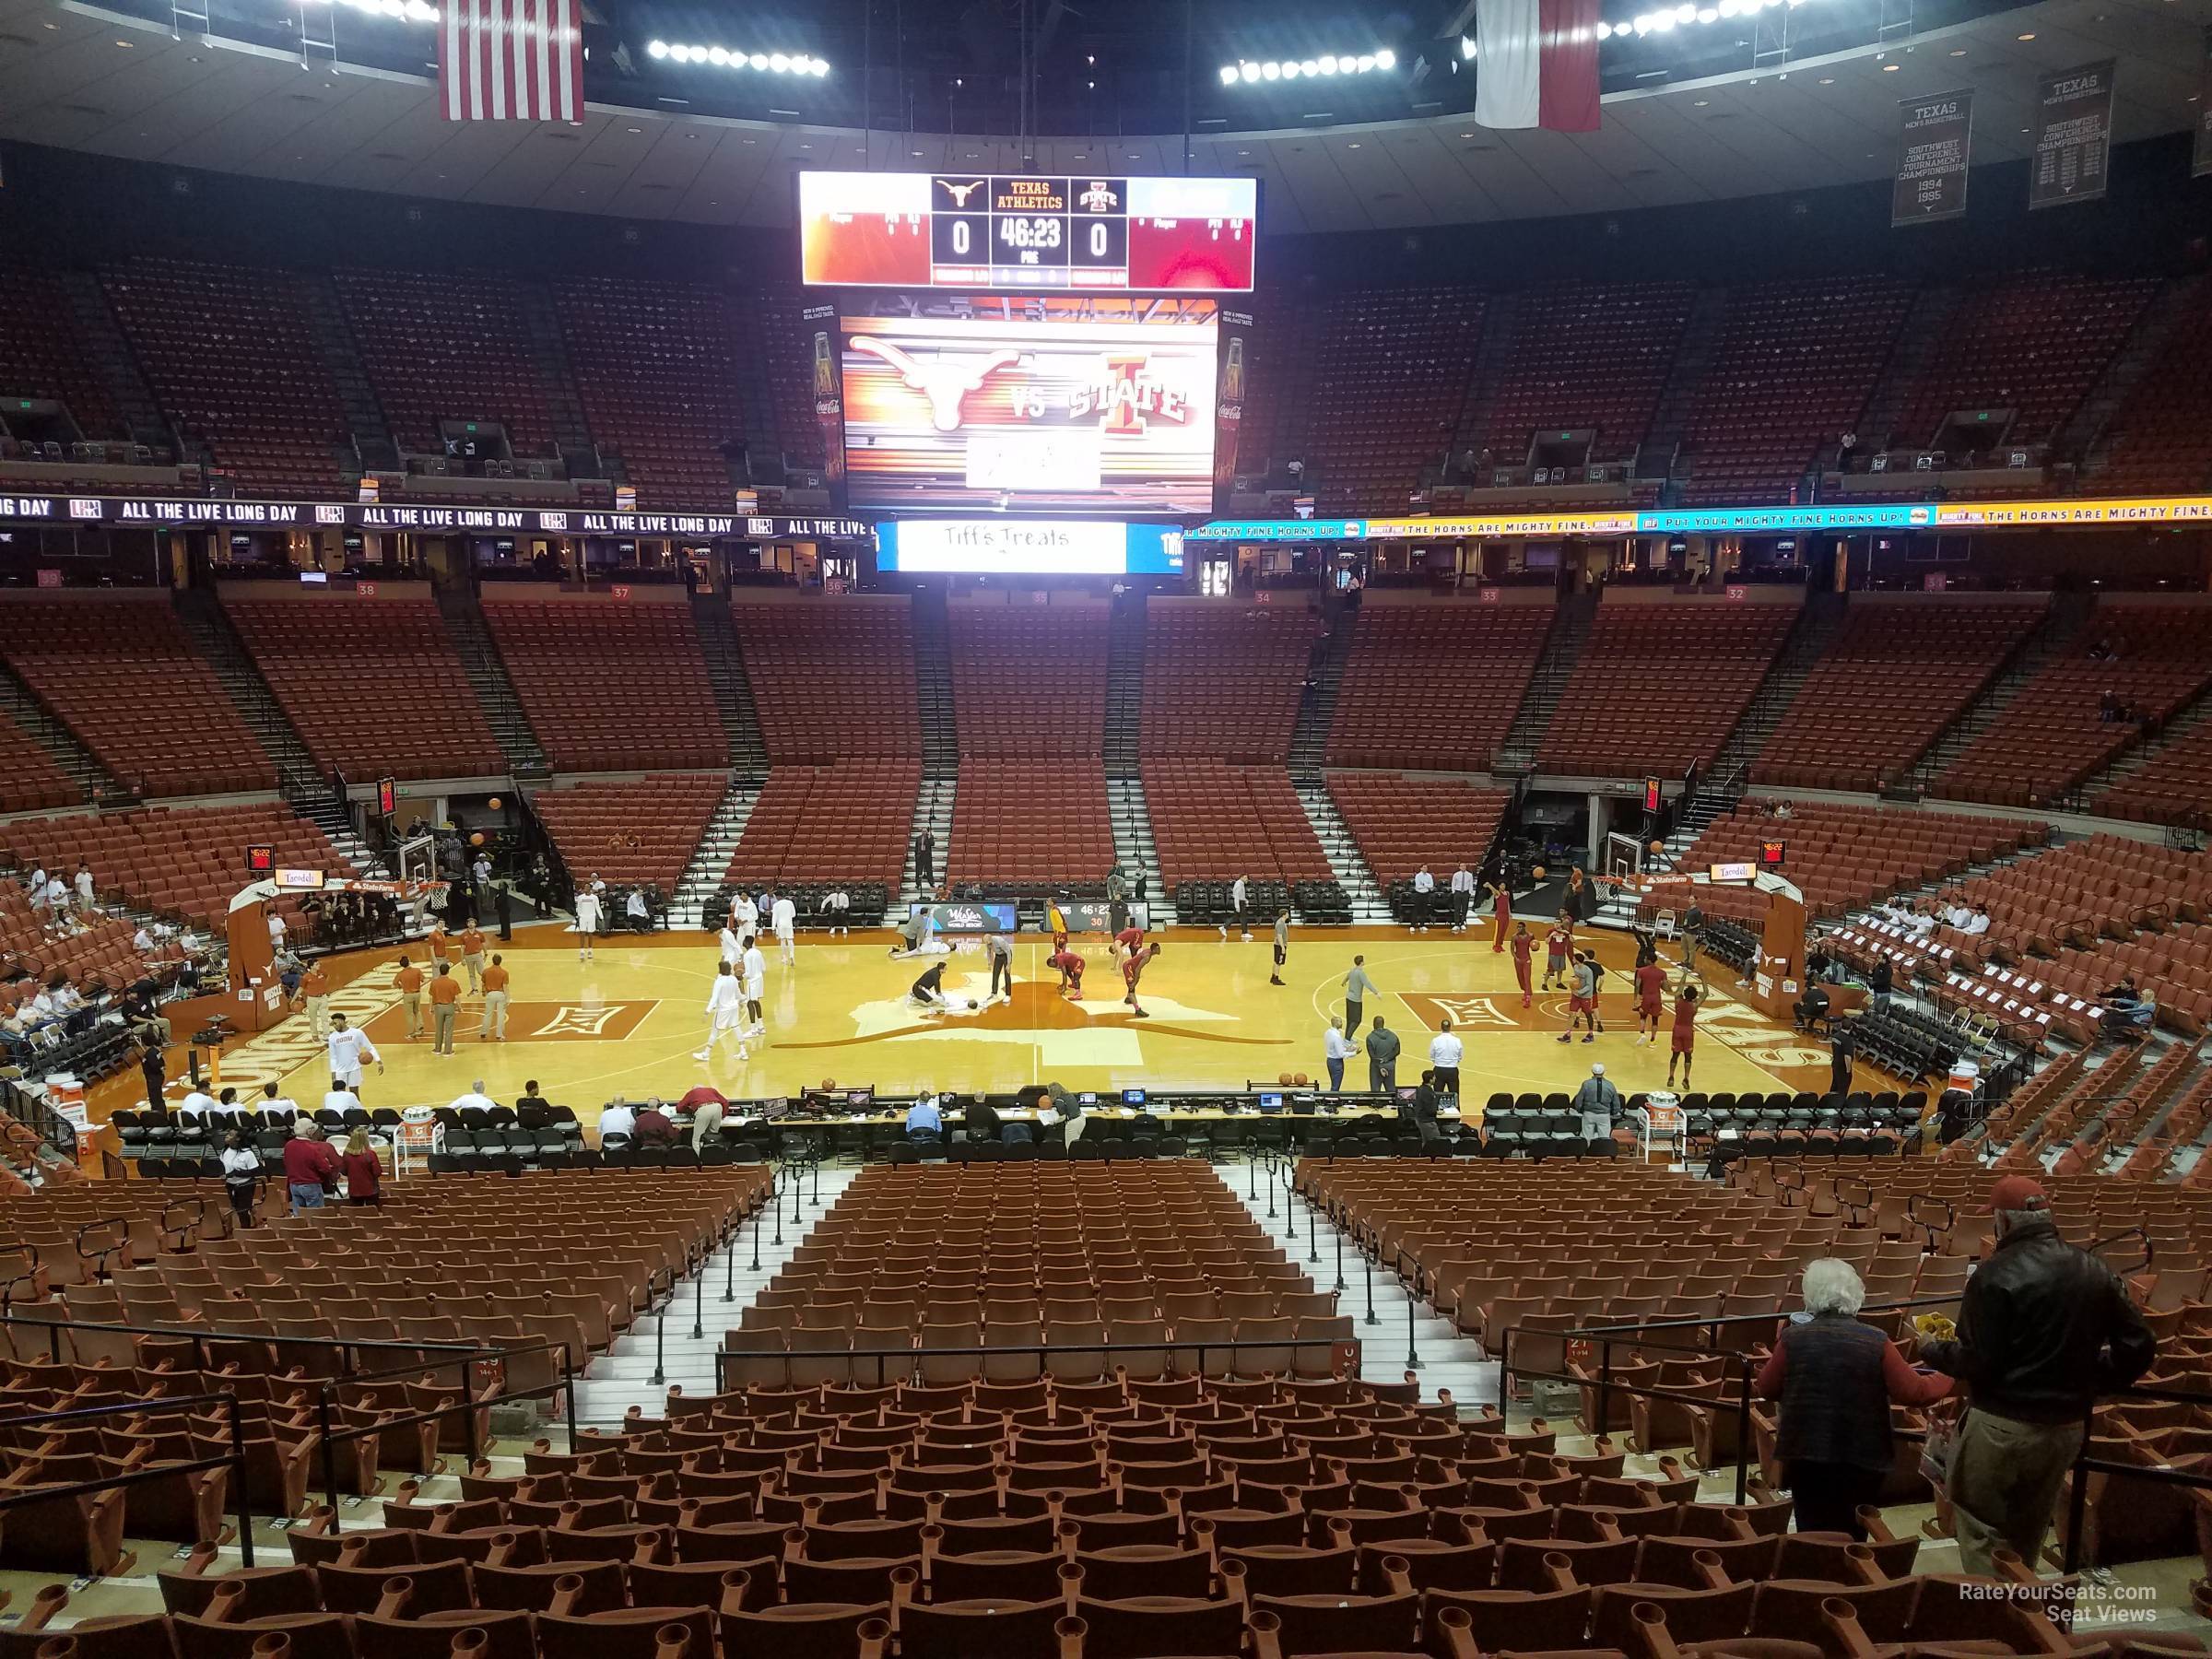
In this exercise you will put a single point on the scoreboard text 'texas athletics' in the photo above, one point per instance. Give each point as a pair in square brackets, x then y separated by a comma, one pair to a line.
[983, 231]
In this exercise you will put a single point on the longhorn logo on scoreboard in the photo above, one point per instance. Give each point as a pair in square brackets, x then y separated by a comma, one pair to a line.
[1045, 402]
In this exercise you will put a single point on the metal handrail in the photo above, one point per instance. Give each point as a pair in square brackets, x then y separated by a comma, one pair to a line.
[235, 1461]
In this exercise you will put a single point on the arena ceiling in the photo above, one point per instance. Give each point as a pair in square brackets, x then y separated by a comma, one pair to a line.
[79, 77]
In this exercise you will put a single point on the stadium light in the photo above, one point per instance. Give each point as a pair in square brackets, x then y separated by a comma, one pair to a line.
[721, 57]
[1249, 71]
[1667, 17]
[404, 11]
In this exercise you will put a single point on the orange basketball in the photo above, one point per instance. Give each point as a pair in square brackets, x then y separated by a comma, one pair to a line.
[828, 1082]
[1284, 1079]
[1299, 1081]
[493, 802]
[1658, 846]
[1537, 872]
[476, 840]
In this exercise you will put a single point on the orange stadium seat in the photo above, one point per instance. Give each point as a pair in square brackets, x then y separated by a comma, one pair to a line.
[374, 686]
[2034, 345]
[2160, 437]
[2050, 734]
[1434, 686]
[1030, 826]
[181, 861]
[28, 778]
[1225, 680]
[1898, 675]
[1214, 822]
[585, 671]
[846, 821]
[120, 674]
[1793, 366]
[1586, 355]
[656, 364]
[444, 347]
[42, 355]
[831, 678]
[229, 352]
[633, 831]
[1659, 686]
[1402, 823]
[1029, 679]
[1359, 387]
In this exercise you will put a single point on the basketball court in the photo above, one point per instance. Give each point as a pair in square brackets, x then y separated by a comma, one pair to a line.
[629, 1021]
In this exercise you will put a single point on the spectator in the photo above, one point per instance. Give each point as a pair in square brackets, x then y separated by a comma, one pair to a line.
[655, 1127]
[1445, 1052]
[1335, 1048]
[1598, 1101]
[309, 1167]
[476, 1099]
[361, 1170]
[241, 1175]
[2127, 1007]
[1880, 984]
[2043, 1329]
[1836, 1378]
[1382, 1059]
[619, 1119]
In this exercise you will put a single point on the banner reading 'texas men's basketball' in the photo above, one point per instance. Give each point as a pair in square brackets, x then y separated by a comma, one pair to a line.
[1932, 159]
[1229, 404]
[2073, 135]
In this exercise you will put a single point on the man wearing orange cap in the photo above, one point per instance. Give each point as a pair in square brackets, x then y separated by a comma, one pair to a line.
[2043, 1329]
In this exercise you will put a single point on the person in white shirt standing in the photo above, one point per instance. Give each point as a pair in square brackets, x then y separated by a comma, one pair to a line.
[726, 1014]
[1463, 896]
[733, 947]
[1444, 1054]
[84, 889]
[1335, 1048]
[349, 1048]
[1424, 897]
[785, 915]
[277, 932]
[745, 915]
[1235, 911]
[754, 967]
[57, 899]
[837, 911]
[589, 916]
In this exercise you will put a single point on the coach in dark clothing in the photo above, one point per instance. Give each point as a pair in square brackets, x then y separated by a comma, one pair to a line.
[1381, 1058]
[1842, 1049]
[981, 1120]
[2043, 1329]
[1836, 1378]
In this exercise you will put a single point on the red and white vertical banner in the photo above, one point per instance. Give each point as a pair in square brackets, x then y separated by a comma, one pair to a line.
[1536, 64]
[511, 60]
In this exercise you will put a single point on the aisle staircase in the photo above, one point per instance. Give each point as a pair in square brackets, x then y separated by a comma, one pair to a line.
[1364, 893]
[216, 638]
[366, 425]
[1317, 707]
[732, 687]
[113, 361]
[933, 812]
[1124, 685]
[2131, 760]
[2083, 438]
[1563, 648]
[1818, 622]
[1134, 848]
[1685, 380]
[502, 709]
[933, 690]
[2042, 646]
[710, 866]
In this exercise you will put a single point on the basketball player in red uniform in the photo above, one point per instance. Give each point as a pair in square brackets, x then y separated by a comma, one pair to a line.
[1133, 968]
[1070, 965]
[1558, 945]
[1525, 948]
[1501, 906]
[1686, 1034]
[1651, 983]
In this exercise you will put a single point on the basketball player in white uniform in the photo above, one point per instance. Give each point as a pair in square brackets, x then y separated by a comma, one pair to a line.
[745, 916]
[785, 915]
[726, 1014]
[732, 948]
[588, 916]
[754, 969]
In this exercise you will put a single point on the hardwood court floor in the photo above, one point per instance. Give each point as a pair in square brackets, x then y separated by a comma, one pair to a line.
[629, 1021]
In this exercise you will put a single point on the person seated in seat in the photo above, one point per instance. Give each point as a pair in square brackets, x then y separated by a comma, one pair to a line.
[655, 1127]
[2128, 1008]
[925, 1121]
[617, 1118]
[980, 1122]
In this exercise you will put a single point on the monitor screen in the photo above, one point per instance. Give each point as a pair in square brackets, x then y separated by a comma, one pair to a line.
[860, 1098]
[1271, 1102]
[1132, 1097]
[1050, 404]
[971, 230]
[1407, 1091]
[1028, 547]
[1088, 1098]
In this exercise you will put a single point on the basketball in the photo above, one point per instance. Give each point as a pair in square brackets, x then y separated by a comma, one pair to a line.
[476, 840]
[1284, 1079]
[493, 802]
[972, 1005]
[1658, 846]
[1537, 872]
[1299, 1081]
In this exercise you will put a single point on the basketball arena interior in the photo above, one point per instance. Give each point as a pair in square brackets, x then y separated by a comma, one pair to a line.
[909, 829]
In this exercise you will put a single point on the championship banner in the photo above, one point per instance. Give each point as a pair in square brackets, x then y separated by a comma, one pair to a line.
[2073, 135]
[1932, 159]
[821, 322]
[2200, 160]
[1235, 346]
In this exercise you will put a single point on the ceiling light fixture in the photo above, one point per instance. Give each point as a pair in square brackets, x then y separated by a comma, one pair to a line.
[1248, 71]
[720, 57]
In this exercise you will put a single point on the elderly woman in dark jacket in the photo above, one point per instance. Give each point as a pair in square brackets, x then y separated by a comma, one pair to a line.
[1836, 1378]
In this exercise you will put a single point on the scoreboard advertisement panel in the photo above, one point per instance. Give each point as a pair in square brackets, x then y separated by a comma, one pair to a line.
[983, 230]
[1048, 402]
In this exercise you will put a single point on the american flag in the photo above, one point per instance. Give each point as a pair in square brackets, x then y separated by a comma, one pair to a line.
[511, 60]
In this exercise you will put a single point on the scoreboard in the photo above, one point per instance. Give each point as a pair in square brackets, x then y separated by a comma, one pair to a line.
[985, 231]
